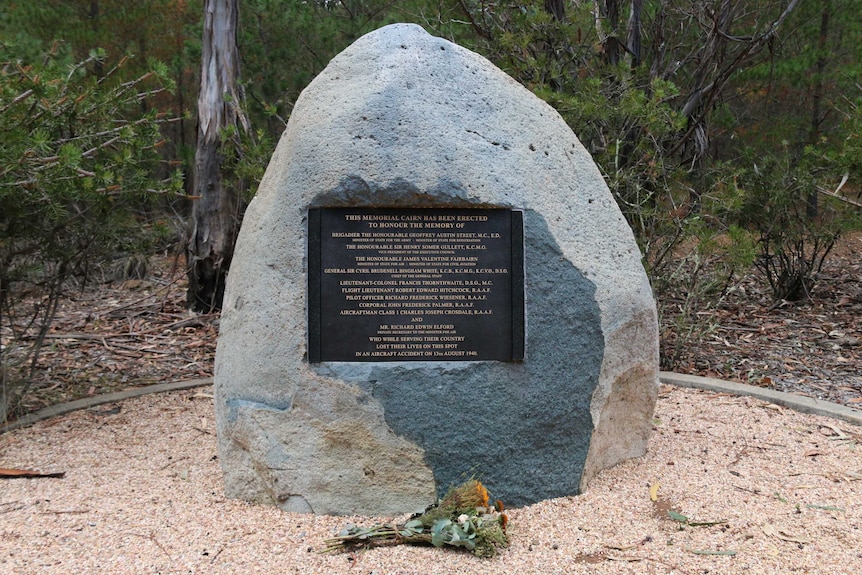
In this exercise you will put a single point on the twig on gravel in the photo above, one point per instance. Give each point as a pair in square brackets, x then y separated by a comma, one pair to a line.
[753, 491]
[163, 467]
[673, 566]
[152, 538]
[28, 474]
[9, 506]
[64, 512]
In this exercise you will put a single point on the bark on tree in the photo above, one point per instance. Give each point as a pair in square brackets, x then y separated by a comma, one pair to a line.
[98, 65]
[633, 38]
[556, 8]
[717, 68]
[609, 13]
[817, 117]
[216, 209]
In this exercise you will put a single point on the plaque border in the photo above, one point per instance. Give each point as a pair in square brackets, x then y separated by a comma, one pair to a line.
[517, 281]
[313, 272]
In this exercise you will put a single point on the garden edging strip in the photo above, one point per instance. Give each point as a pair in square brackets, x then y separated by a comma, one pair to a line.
[789, 400]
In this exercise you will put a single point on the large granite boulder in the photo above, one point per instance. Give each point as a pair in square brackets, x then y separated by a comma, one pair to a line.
[405, 119]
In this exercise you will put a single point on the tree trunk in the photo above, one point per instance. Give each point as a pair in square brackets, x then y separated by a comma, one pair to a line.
[813, 208]
[609, 11]
[216, 209]
[556, 8]
[98, 65]
[633, 38]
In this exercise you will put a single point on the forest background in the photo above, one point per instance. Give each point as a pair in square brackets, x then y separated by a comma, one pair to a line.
[730, 134]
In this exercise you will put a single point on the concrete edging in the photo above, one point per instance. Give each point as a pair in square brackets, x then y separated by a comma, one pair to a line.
[88, 402]
[793, 401]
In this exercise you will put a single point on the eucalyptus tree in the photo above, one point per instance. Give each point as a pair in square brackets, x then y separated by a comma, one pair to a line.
[284, 45]
[221, 120]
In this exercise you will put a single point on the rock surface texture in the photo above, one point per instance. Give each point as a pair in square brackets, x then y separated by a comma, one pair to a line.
[405, 119]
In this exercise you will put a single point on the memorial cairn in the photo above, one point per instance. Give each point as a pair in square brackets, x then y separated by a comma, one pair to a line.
[433, 282]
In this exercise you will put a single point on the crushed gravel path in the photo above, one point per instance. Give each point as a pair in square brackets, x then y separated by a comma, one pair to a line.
[142, 493]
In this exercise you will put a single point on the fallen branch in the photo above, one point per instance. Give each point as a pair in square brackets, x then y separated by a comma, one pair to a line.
[28, 474]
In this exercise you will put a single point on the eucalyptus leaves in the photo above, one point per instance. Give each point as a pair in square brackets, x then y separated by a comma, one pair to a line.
[463, 518]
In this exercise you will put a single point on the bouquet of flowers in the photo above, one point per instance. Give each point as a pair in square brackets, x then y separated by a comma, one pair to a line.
[463, 518]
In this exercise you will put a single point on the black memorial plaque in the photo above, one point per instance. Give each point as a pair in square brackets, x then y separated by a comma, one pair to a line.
[415, 284]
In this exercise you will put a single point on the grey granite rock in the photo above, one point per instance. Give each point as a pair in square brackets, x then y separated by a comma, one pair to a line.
[402, 118]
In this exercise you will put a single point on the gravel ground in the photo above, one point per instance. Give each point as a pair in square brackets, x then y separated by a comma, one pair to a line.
[142, 494]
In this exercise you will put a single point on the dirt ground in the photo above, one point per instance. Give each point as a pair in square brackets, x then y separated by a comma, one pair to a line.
[812, 348]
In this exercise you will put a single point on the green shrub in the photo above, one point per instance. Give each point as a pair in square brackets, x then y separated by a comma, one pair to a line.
[795, 232]
[78, 152]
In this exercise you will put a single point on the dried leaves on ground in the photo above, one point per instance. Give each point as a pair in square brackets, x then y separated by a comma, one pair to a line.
[112, 336]
[138, 332]
[811, 347]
